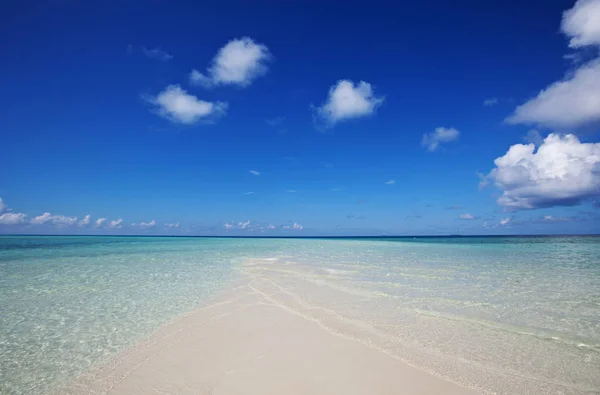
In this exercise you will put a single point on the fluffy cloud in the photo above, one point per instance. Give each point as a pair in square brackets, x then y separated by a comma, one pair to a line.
[85, 220]
[144, 225]
[157, 54]
[492, 101]
[116, 223]
[582, 23]
[390, 182]
[433, 140]
[570, 103]
[466, 216]
[12, 218]
[59, 220]
[239, 63]
[100, 221]
[562, 172]
[176, 105]
[256, 173]
[347, 100]
[504, 221]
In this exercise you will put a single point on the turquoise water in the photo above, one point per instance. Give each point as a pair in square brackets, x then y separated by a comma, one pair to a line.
[509, 315]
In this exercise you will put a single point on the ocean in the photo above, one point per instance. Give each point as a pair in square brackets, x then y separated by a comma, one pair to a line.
[501, 314]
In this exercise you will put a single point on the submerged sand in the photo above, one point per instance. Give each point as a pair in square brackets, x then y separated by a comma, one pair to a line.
[246, 342]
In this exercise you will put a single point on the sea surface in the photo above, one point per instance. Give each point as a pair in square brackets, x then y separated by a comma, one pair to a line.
[506, 315]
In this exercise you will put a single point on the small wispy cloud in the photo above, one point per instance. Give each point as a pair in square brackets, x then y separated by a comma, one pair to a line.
[176, 105]
[100, 221]
[390, 182]
[467, 216]
[85, 220]
[144, 225]
[490, 102]
[59, 220]
[432, 141]
[172, 225]
[157, 54]
[291, 191]
[239, 63]
[115, 224]
[254, 172]
[12, 218]
[347, 100]
[248, 193]
[505, 221]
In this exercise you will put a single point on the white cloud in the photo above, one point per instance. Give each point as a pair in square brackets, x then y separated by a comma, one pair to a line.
[172, 225]
[390, 182]
[85, 220]
[243, 225]
[256, 173]
[570, 103]
[144, 225]
[297, 226]
[239, 63]
[467, 216]
[116, 223]
[433, 140]
[347, 100]
[100, 221]
[59, 220]
[157, 53]
[562, 172]
[12, 218]
[271, 226]
[177, 105]
[492, 101]
[551, 218]
[229, 226]
[504, 221]
[582, 23]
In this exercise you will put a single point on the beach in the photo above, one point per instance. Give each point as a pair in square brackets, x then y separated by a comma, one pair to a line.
[122, 315]
[246, 342]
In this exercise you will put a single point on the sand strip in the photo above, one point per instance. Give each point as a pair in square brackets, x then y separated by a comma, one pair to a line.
[244, 343]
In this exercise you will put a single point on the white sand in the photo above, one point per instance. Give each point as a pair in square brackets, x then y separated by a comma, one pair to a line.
[244, 342]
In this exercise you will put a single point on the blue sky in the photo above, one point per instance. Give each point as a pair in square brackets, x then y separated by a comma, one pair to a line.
[291, 118]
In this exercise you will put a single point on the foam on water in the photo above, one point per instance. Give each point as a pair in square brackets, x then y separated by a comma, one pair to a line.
[504, 315]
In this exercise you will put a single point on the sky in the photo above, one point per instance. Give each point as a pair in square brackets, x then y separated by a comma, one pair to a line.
[300, 118]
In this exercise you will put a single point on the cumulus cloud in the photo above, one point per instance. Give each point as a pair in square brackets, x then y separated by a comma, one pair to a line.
[582, 23]
[439, 136]
[100, 221]
[490, 102]
[59, 220]
[467, 216]
[157, 54]
[390, 182]
[239, 63]
[562, 172]
[176, 105]
[85, 220]
[115, 223]
[256, 173]
[143, 225]
[571, 103]
[347, 100]
[12, 218]
[504, 221]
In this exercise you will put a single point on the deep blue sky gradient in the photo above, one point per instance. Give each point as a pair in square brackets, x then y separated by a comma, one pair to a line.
[77, 137]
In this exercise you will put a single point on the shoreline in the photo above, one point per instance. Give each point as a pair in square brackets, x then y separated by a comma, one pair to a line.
[242, 341]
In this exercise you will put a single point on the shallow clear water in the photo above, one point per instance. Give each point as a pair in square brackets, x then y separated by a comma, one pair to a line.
[510, 315]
